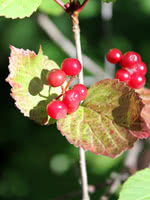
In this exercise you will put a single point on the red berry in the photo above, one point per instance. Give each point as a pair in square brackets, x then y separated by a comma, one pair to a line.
[71, 99]
[129, 59]
[71, 66]
[73, 109]
[82, 91]
[114, 56]
[56, 77]
[137, 80]
[56, 109]
[123, 75]
[141, 68]
[139, 57]
[67, 5]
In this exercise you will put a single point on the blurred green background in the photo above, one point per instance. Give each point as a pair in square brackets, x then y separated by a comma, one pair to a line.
[37, 163]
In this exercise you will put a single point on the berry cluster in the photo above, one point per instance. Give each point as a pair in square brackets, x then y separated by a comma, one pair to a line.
[133, 69]
[57, 109]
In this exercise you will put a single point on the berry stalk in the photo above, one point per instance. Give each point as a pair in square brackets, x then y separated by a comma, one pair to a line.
[84, 178]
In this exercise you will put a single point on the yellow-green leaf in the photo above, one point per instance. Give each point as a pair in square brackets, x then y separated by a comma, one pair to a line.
[18, 8]
[28, 79]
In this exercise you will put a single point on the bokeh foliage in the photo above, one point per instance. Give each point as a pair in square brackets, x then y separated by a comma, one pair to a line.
[37, 162]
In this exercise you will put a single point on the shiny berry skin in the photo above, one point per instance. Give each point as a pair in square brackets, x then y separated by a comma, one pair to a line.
[71, 99]
[71, 66]
[82, 91]
[137, 80]
[67, 5]
[114, 56]
[56, 109]
[129, 59]
[141, 68]
[56, 77]
[123, 75]
[73, 109]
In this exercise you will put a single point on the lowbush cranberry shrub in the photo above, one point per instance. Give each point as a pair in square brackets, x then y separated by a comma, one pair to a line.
[107, 119]
[109, 101]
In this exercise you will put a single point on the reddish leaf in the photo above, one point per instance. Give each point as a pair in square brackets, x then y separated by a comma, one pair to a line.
[106, 119]
[145, 95]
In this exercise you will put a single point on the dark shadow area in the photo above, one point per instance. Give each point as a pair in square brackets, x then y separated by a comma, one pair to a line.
[38, 113]
[35, 86]
[44, 75]
[128, 113]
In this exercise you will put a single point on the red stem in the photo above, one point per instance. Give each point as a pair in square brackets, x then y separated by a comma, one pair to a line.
[71, 79]
[64, 90]
[82, 6]
[59, 96]
[60, 3]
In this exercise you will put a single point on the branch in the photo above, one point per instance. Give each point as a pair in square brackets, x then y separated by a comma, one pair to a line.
[131, 160]
[116, 180]
[112, 184]
[84, 179]
[66, 45]
[82, 6]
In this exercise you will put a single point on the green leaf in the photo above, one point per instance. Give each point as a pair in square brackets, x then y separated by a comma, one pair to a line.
[137, 186]
[27, 78]
[106, 119]
[18, 8]
[51, 7]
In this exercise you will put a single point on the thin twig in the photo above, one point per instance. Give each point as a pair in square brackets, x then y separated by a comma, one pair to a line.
[67, 46]
[84, 179]
[115, 180]
[82, 6]
[131, 160]
[109, 187]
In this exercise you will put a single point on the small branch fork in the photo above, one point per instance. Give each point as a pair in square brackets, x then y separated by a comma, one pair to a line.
[73, 6]
[65, 89]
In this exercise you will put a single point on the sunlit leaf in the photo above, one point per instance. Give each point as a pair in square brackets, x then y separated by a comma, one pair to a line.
[137, 186]
[27, 78]
[18, 8]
